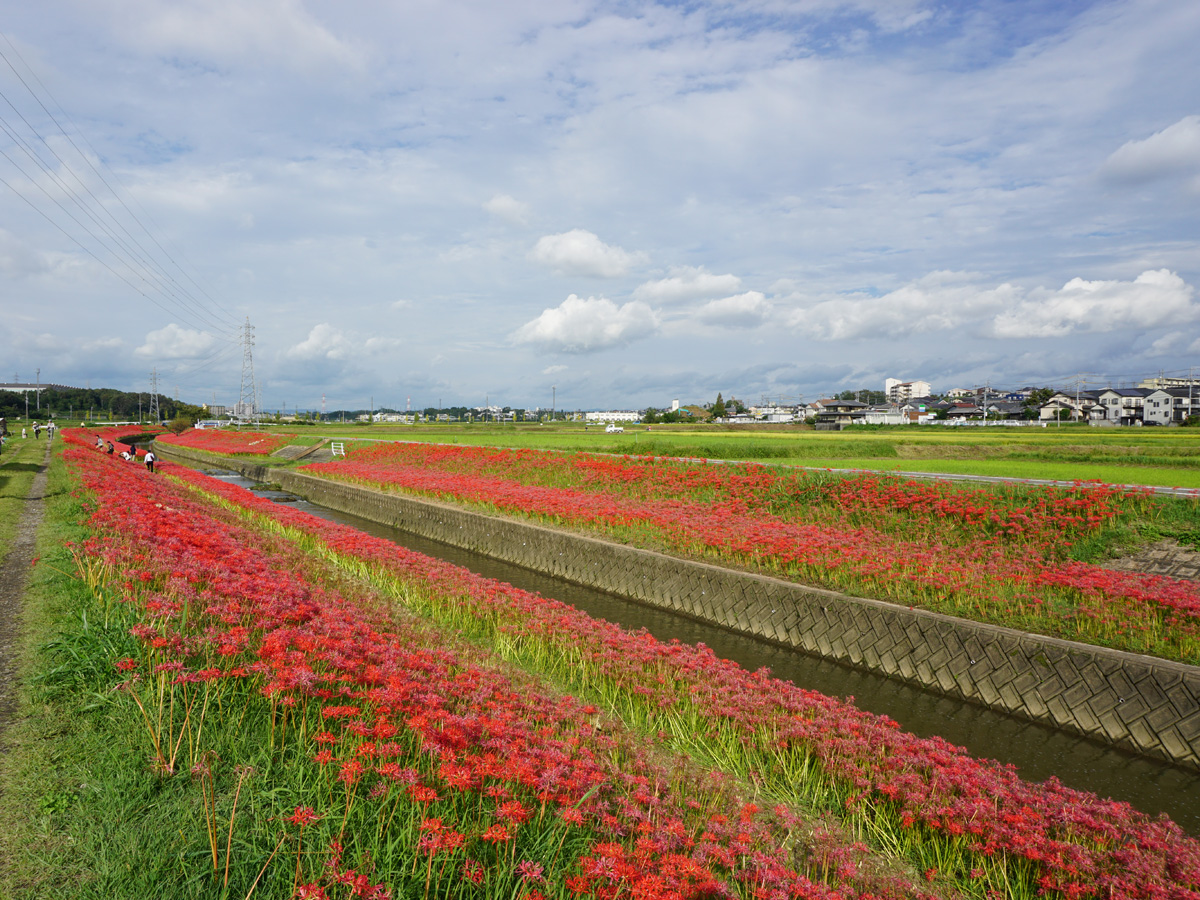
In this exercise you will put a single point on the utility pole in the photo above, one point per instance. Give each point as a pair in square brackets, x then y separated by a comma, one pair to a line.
[39, 390]
[553, 400]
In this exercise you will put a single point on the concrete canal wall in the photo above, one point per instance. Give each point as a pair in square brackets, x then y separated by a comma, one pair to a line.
[1142, 704]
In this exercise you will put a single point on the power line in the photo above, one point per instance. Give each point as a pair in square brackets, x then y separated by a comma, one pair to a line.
[130, 252]
[98, 156]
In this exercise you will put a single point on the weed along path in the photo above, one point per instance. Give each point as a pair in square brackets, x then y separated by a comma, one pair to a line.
[14, 572]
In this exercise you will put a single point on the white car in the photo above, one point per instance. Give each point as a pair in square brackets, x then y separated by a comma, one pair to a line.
[614, 429]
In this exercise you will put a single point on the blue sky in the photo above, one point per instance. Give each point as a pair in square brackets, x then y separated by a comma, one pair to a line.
[627, 202]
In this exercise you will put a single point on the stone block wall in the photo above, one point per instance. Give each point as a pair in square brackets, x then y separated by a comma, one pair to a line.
[1140, 703]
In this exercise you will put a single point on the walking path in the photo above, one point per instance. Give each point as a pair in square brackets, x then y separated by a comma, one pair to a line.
[14, 574]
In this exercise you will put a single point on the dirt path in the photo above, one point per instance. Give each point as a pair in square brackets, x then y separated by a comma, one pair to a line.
[14, 573]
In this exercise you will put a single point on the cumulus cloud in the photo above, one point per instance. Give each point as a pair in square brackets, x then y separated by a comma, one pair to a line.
[502, 206]
[1171, 152]
[553, 370]
[323, 342]
[937, 302]
[943, 301]
[1153, 299]
[579, 252]
[739, 311]
[580, 326]
[687, 283]
[175, 342]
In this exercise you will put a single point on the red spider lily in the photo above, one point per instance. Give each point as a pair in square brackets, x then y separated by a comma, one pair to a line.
[902, 541]
[303, 816]
[496, 834]
[316, 644]
[218, 440]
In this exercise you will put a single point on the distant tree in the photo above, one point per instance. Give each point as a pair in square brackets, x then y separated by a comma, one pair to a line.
[1038, 397]
[718, 409]
[651, 415]
[180, 425]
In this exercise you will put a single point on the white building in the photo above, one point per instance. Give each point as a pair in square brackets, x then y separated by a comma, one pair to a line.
[899, 391]
[774, 413]
[618, 415]
[1170, 406]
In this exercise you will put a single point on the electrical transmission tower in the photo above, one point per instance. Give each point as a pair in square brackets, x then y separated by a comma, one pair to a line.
[247, 401]
[155, 416]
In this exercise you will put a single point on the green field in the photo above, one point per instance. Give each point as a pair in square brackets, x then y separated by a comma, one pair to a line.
[1147, 456]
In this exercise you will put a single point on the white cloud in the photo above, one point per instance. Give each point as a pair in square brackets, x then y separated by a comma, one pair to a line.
[739, 311]
[323, 342]
[580, 252]
[936, 302]
[554, 370]
[580, 326]
[374, 345]
[1168, 344]
[174, 342]
[267, 31]
[1173, 151]
[1154, 299]
[687, 283]
[944, 301]
[502, 206]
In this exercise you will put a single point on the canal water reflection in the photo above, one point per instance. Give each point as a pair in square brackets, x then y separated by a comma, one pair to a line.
[1036, 751]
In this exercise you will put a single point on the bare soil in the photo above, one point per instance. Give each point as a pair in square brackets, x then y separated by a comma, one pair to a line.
[14, 573]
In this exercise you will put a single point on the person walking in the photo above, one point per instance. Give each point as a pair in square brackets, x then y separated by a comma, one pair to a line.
[150, 460]
[37, 431]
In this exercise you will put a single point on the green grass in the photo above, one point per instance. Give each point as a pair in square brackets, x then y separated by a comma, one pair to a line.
[19, 462]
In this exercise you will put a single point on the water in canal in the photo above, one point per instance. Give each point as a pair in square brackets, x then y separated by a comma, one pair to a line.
[1037, 752]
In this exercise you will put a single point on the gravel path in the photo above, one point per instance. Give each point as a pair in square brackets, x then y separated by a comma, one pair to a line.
[14, 573]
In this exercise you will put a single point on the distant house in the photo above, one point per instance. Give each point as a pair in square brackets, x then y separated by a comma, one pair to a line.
[964, 411]
[1080, 404]
[770, 414]
[1006, 409]
[836, 414]
[1170, 406]
[1124, 405]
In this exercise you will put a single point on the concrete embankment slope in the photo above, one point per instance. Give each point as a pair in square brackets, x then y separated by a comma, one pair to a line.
[1139, 703]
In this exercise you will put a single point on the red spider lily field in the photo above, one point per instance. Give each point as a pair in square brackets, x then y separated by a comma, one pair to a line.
[218, 440]
[293, 708]
[1007, 556]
